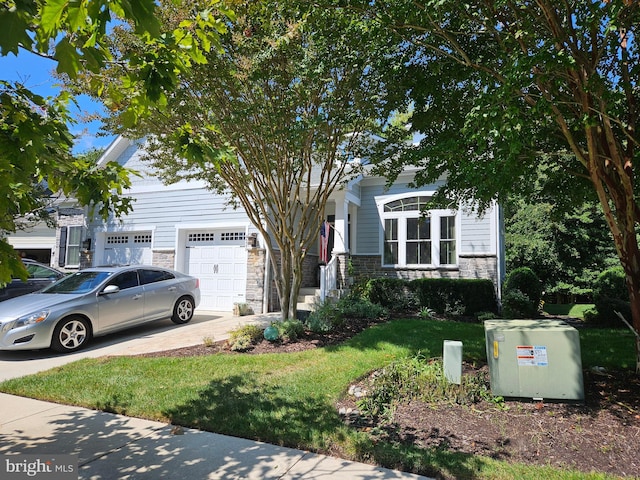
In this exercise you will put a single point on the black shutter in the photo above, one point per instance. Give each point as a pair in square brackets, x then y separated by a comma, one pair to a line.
[62, 248]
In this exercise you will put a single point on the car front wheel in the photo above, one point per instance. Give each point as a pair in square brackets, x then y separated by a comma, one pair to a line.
[183, 310]
[70, 335]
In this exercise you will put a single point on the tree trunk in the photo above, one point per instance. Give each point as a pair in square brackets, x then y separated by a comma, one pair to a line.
[284, 285]
[288, 280]
[633, 286]
[296, 281]
[614, 186]
[637, 354]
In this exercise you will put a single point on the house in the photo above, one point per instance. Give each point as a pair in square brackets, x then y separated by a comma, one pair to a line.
[375, 231]
[59, 246]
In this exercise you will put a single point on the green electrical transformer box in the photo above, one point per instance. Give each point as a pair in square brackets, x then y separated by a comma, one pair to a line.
[538, 359]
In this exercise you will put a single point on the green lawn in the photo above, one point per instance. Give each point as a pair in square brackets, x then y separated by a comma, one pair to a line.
[575, 310]
[289, 399]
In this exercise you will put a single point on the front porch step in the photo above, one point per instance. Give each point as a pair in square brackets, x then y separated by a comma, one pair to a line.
[307, 298]
[309, 291]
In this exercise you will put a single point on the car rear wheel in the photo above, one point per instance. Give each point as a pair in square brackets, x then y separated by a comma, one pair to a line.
[70, 334]
[183, 310]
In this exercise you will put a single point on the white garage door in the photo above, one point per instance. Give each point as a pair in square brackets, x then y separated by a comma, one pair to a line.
[131, 248]
[219, 259]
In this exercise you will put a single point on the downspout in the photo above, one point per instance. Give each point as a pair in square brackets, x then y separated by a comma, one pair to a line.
[267, 281]
[500, 252]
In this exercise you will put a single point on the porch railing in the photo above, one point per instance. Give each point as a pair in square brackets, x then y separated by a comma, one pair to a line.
[328, 277]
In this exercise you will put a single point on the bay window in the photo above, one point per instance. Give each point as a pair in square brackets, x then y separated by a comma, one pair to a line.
[415, 238]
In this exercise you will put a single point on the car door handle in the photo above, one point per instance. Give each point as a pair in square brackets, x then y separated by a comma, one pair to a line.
[136, 297]
[172, 289]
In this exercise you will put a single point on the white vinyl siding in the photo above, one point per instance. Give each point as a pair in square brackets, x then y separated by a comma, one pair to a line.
[478, 234]
[166, 209]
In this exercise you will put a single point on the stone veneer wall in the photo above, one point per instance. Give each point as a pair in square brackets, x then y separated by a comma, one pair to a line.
[485, 267]
[310, 271]
[255, 278]
[164, 258]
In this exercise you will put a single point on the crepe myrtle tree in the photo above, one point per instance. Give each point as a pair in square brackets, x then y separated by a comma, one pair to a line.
[276, 120]
[506, 89]
[35, 141]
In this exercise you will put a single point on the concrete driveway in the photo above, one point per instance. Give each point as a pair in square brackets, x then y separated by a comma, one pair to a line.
[152, 337]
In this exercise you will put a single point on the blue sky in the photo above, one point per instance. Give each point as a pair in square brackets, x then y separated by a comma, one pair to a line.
[36, 74]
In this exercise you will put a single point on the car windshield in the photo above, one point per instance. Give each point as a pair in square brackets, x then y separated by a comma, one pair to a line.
[81, 282]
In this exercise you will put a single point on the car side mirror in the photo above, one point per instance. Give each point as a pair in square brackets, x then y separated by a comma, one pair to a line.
[110, 289]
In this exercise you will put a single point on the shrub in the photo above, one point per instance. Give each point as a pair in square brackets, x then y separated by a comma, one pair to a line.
[318, 324]
[324, 318]
[610, 295]
[354, 307]
[418, 378]
[522, 294]
[516, 304]
[454, 296]
[244, 337]
[482, 316]
[611, 284]
[525, 280]
[426, 313]
[290, 330]
[393, 294]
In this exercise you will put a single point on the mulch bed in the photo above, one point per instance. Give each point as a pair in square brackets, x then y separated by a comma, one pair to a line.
[599, 435]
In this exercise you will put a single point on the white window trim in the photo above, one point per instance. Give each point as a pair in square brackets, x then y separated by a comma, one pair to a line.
[76, 262]
[401, 216]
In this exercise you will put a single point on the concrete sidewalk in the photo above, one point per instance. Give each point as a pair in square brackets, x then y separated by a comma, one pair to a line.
[114, 447]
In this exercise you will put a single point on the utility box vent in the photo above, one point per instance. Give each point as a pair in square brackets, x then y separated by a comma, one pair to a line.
[538, 359]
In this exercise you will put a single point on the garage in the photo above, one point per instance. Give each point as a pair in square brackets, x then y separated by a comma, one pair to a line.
[219, 259]
[128, 248]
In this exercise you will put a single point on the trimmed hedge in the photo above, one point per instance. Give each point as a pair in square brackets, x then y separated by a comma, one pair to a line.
[394, 294]
[456, 296]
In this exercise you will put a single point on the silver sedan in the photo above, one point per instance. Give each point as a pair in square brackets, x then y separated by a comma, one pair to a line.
[93, 302]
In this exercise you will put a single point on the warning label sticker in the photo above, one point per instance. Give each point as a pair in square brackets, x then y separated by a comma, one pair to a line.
[532, 356]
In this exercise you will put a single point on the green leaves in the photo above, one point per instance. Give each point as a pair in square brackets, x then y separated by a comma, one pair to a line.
[265, 106]
[14, 28]
[68, 61]
[35, 142]
[142, 13]
[52, 14]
